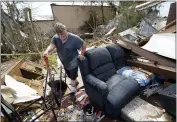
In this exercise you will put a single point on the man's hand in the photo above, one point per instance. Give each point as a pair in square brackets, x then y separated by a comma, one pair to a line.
[81, 57]
[49, 49]
[83, 49]
[46, 53]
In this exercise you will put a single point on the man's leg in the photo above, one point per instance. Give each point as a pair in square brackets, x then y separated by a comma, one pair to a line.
[73, 74]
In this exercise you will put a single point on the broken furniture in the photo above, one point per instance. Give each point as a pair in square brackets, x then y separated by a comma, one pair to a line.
[27, 72]
[108, 90]
[9, 112]
[29, 75]
[167, 98]
[12, 114]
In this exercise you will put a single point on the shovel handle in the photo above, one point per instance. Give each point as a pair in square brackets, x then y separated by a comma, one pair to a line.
[46, 61]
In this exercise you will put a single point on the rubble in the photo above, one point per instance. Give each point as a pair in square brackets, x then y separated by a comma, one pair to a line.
[7, 93]
[162, 39]
[23, 83]
[107, 29]
[27, 72]
[23, 93]
[144, 110]
[150, 25]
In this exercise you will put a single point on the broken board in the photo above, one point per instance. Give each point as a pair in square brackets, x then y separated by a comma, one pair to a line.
[140, 110]
[16, 72]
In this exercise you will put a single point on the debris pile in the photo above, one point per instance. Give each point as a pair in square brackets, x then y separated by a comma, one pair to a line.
[23, 91]
[22, 87]
[28, 96]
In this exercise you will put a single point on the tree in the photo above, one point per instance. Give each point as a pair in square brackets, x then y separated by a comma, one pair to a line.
[127, 15]
[11, 28]
[19, 36]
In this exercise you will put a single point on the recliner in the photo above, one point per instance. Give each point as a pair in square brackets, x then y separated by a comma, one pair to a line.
[108, 90]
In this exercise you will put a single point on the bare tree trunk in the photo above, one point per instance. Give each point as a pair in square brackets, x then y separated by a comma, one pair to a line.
[13, 27]
[12, 38]
[33, 30]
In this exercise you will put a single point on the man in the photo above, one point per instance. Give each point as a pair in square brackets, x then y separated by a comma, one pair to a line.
[67, 45]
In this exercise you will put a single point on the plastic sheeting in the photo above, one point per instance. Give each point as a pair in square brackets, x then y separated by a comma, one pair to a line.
[162, 44]
[23, 92]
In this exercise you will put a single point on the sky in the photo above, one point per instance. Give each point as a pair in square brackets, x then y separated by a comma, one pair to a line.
[42, 10]
[164, 9]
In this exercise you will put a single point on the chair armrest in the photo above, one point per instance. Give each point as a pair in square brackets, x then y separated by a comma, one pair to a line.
[97, 84]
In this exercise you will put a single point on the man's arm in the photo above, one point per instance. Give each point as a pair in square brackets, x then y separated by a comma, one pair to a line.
[83, 49]
[49, 49]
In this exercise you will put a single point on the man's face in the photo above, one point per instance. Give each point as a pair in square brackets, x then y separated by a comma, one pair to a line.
[62, 35]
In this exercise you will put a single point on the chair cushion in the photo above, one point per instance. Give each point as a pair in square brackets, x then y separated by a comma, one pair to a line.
[100, 63]
[115, 79]
[84, 66]
[98, 57]
[121, 93]
[104, 72]
[118, 54]
[97, 84]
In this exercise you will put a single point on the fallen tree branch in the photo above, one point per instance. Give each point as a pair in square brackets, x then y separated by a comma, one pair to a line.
[20, 54]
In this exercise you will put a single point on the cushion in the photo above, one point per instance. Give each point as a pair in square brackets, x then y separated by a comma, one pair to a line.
[104, 72]
[84, 66]
[97, 84]
[111, 83]
[118, 55]
[98, 57]
[122, 93]
[100, 63]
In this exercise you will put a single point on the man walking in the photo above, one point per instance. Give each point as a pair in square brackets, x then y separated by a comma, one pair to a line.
[67, 45]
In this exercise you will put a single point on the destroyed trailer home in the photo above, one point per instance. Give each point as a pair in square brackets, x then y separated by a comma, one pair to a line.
[129, 76]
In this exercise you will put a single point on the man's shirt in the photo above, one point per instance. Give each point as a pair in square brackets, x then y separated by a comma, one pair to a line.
[68, 51]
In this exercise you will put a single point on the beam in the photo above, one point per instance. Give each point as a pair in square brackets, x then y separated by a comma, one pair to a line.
[21, 54]
[142, 52]
[171, 29]
[168, 72]
[11, 70]
[146, 5]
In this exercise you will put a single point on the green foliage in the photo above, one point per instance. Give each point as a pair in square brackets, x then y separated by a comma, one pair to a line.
[127, 15]
[52, 60]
